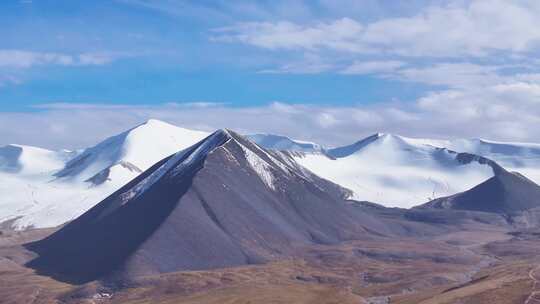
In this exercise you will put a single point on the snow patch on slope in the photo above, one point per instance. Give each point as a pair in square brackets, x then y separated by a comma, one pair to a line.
[174, 166]
[261, 167]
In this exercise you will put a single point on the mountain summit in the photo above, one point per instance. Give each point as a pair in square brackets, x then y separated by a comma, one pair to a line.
[132, 151]
[506, 193]
[222, 202]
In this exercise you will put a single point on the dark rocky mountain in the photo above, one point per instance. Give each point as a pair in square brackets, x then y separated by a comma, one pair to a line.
[222, 202]
[507, 193]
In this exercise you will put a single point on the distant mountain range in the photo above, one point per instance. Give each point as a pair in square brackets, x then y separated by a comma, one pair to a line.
[404, 172]
[514, 156]
[42, 188]
[225, 201]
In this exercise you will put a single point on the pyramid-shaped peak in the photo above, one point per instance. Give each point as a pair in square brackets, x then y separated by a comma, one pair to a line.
[220, 136]
[506, 193]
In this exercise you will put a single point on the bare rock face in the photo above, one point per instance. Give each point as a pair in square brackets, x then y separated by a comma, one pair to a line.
[507, 193]
[222, 202]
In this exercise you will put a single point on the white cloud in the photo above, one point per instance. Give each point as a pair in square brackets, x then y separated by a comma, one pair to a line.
[8, 80]
[372, 67]
[478, 54]
[477, 28]
[94, 59]
[455, 75]
[502, 111]
[27, 59]
[309, 64]
[195, 104]
[326, 120]
[340, 35]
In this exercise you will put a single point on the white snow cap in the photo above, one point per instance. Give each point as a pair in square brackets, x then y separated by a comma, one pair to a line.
[49, 188]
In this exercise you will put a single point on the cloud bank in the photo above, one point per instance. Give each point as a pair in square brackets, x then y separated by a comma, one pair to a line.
[472, 114]
[476, 28]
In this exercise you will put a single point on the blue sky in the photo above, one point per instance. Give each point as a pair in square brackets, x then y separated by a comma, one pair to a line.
[339, 69]
[163, 52]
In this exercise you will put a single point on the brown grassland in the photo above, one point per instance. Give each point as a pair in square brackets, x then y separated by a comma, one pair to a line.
[476, 266]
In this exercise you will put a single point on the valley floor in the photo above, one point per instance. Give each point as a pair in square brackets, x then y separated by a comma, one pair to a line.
[478, 266]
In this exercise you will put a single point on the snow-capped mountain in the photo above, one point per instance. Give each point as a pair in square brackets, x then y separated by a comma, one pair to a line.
[130, 152]
[222, 202]
[347, 150]
[279, 142]
[397, 171]
[521, 157]
[41, 188]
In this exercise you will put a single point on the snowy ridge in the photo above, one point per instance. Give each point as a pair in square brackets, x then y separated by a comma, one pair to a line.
[267, 163]
[261, 167]
[43, 188]
[521, 157]
[401, 171]
[279, 142]
[275, 162]
[344, 151]
[173, 167]
[513, 156]
[49, 188]
[395, 171]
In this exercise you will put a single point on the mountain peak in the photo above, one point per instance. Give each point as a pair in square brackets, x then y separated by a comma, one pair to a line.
[141, 146]
[383, 139]
[281, 142]
[152, 122]
[155, 121]
[345, 151]
[155, 124]
[506, 193]
[225, 132]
